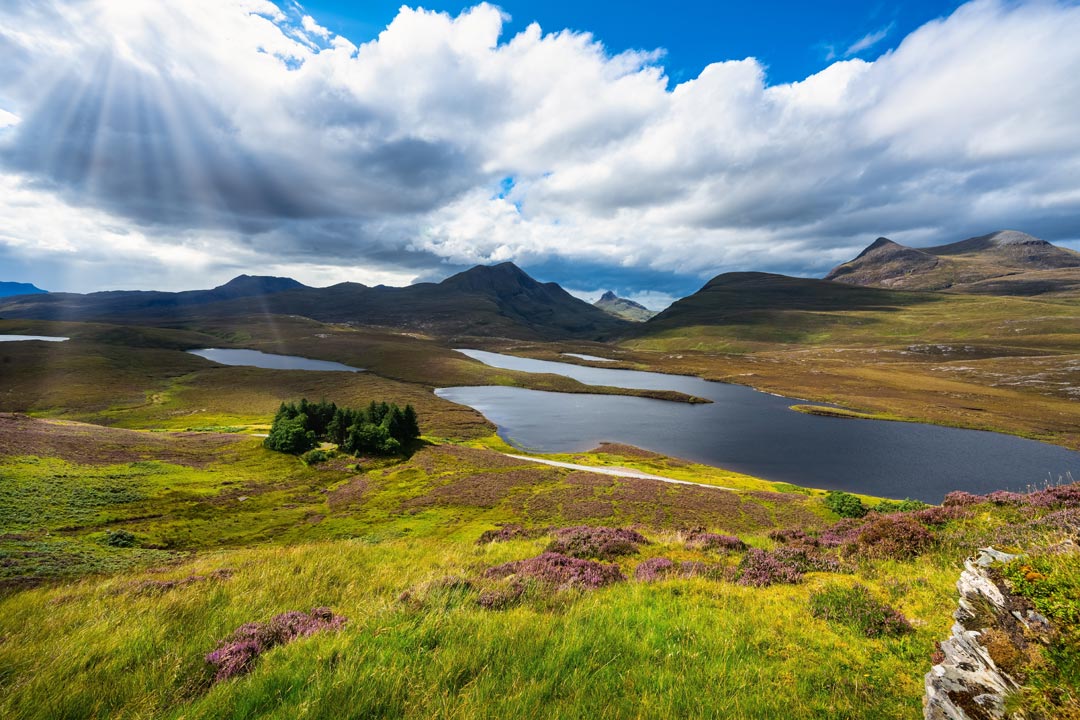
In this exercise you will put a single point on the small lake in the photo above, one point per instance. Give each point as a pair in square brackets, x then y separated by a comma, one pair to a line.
[19, 338]
[757, 433]
[255, 358]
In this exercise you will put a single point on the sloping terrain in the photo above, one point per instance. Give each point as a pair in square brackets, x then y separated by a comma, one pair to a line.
[470, 584]
[611, 303]
[487, 301]
[747, 297]
[1006, 262]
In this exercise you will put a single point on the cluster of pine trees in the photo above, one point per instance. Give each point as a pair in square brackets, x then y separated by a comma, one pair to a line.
[379, 429]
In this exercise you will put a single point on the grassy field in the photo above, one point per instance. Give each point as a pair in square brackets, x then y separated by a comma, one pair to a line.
[224, 533]
[141, 524]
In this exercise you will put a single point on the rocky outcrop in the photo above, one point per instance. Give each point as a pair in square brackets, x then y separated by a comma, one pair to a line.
[967, 682]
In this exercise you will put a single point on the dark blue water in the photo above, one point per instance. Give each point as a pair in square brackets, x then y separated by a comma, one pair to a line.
[254, 358]
[758, 434]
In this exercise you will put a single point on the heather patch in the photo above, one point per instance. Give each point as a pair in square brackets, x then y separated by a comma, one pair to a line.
[701, 540]
[602, 543]
[761, 569]
[806, 559]
[484, 490]
[236, 654]
[899, 536]
[653, 569]
[793, 536]
[856, 608]
[960, 498]
[506, 532]
[560, 571]
[893, 536]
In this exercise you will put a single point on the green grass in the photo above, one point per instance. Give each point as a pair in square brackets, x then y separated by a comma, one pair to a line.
[664, 650]
[101, 636]
[81, 635]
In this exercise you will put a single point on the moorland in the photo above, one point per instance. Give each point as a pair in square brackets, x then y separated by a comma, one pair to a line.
[145, 526]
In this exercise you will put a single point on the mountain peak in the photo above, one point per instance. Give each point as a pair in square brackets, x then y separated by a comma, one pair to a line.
[881, 242]
[504, 277]
[622, 308]
[261, 281]
[248, 285]
[1004, 238]
[1008, 258]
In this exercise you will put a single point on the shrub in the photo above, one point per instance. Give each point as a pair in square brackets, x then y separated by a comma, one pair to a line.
[314, 457]
[560, 571]
[893, 536]
[119, 538]
[653, 569]
[760, 569]
[858, 609]
[237, 653]
[602, 543]
[907, 505]
[844, 504]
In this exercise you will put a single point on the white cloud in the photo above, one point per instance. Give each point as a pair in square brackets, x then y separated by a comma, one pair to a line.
[314, 28]
[283, 145]
[868, 41]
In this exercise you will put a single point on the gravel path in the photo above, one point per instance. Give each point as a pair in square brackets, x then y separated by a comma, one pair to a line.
[616, 471]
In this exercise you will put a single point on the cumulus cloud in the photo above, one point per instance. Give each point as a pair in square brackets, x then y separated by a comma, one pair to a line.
[220, 135]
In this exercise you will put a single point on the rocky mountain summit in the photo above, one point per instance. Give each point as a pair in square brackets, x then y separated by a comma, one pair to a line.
[612, 304]
[1006, 262]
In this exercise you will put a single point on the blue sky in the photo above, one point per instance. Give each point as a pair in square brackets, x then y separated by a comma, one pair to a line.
[793, 39]
[176, 145]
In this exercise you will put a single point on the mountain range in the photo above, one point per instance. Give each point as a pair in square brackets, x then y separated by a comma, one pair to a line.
[499, 300]
[1006, 262]
[504, 301]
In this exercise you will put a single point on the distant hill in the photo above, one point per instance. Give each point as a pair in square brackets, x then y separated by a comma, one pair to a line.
[771, 303]
[138, 304]
[1006, 262]
[9, 289]
[612, 304]
[499, 300]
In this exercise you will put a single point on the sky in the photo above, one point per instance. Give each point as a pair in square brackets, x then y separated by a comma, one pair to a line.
[635, 146]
